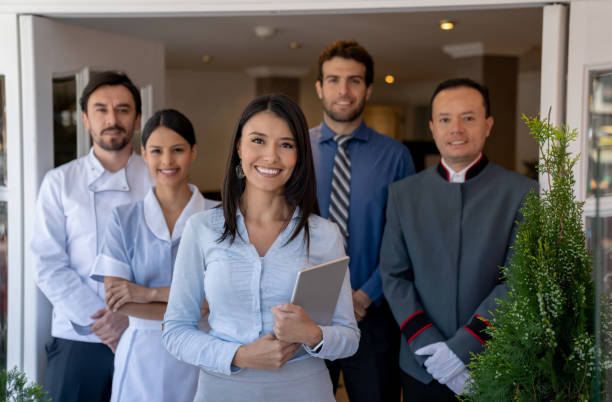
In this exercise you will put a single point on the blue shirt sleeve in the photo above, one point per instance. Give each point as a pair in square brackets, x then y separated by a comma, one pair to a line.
[373, 285]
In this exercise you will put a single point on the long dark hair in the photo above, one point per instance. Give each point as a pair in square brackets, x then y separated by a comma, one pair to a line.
[300, 189]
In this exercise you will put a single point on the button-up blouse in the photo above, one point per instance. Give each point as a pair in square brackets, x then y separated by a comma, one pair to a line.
[241, 287]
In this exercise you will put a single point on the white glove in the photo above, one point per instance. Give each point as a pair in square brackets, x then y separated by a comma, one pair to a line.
[458, 383]
[443, 364]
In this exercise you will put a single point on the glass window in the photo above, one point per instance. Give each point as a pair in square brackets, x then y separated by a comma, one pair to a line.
[600, 132]
[3, 282]
[3, 229]
[2, 135]
[64, 120]
[599, 237]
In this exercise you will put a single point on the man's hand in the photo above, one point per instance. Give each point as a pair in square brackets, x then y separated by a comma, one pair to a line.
[361, 302]
[443, 364]
[458, 383]
[109, 327]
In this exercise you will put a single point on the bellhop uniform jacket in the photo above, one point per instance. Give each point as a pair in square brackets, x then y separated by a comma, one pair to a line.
[442, 249]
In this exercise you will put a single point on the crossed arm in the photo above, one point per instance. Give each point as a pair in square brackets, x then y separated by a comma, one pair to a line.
[139, 301]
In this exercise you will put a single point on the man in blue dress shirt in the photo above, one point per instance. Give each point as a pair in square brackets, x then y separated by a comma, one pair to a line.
[344, 84]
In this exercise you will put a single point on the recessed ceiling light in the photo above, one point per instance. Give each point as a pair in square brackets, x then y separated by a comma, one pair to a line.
[207, 59]
[389, 79]
[265, 31]
[295, 45]
[446, 25]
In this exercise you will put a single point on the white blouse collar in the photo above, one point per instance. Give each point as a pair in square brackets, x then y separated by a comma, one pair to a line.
[154, 216]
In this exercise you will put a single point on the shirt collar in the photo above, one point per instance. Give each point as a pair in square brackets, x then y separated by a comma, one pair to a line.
[154, 217]
[241, 226]
[470, 171]
[361, 133]
[100, 179]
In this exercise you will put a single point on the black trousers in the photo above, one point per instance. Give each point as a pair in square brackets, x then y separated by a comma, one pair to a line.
[78, 371]
[415, 390]
[372, 374]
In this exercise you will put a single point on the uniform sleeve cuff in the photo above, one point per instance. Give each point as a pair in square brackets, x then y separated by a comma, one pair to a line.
[472, 338]
[108, 266]
[414, 325]
[316, 350]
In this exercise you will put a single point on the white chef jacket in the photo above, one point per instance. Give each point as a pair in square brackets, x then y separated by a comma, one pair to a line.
[74, 204]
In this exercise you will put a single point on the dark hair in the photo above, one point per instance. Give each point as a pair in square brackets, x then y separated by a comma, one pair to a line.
[347, 50]
[300, 189]
[172, 119]
[462, 82]
[110, 78]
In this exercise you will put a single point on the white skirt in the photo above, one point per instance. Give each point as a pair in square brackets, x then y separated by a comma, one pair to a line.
[145, 371]
[300, 381]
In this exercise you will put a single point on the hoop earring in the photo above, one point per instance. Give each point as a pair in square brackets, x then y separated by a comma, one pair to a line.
[239, 172]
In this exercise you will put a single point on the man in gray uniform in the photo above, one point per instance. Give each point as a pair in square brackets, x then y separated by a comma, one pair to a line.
[449, 229]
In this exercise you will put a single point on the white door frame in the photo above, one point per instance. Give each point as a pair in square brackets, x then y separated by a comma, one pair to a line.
[24, 302]
[119, 8]
[9, 68]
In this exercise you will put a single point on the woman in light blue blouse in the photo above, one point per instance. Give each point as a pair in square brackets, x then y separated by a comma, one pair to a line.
[136, 263]
[244, 259]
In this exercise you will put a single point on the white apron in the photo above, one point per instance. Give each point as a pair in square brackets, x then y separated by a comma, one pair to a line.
[145, 371]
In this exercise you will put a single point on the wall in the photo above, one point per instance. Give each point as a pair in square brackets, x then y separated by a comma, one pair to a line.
[213, 101]
[528, 103]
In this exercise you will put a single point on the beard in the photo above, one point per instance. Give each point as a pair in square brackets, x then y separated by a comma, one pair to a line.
[112, 144]
[346, 117]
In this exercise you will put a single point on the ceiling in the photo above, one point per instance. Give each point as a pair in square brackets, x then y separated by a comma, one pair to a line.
[405, 44]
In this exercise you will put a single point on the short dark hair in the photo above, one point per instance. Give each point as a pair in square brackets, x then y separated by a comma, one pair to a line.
[172, 119]
[300, 189]
[110, 78]
[462, 82]
[347, 50]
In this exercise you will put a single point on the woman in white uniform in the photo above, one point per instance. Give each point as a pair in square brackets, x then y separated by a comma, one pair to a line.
[137, 259]
[244, 259]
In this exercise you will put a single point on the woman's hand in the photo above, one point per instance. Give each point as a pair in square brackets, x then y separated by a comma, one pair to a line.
[266, 353]
[120, 291]
[292, 324]
[204, 309]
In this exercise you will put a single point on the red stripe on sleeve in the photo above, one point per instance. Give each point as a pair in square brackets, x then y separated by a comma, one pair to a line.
[410, 318]
[418, 332]
[481, 318]
[475, 336]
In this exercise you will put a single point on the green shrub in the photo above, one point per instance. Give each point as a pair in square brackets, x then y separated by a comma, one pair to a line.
[16, 388]
[543, 336]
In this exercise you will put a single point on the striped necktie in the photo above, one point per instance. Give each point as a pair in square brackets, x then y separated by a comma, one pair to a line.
[341, 186]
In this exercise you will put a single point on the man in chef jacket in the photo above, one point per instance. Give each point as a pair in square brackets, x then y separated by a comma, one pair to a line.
[74, 204]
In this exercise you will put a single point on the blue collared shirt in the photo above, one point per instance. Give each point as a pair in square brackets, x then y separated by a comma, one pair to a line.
[241, 287]
[376, 162]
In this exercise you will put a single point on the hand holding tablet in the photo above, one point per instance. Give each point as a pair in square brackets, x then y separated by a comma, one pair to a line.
[317, 289]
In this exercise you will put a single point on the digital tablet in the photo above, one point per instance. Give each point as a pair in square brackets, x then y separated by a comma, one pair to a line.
[317, 289]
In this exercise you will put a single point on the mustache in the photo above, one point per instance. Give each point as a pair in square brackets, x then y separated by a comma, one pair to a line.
[115, 127]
